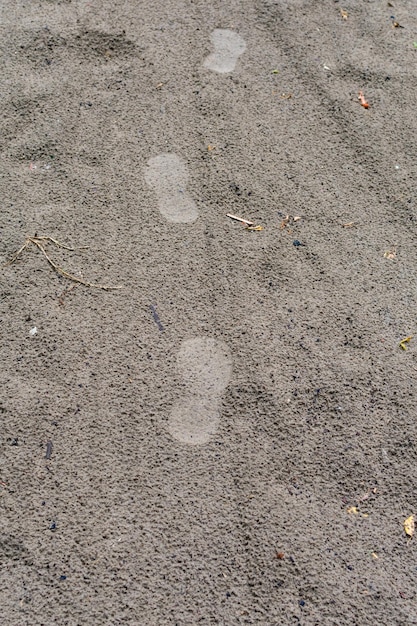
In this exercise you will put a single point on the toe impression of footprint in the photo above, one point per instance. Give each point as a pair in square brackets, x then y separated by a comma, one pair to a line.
[205, 366]
[167, 175]
[228, 46]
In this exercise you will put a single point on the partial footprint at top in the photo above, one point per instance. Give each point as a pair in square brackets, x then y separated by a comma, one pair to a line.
[228, 46]
[205, 366]
[167, 175]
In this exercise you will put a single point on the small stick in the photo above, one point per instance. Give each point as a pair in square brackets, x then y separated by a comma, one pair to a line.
[60, 245]
[64, 273]
[14, 257]
[37, 242]
[239, 219]
[48, 450]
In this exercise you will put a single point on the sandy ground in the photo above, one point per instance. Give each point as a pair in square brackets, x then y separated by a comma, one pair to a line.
[232, 434]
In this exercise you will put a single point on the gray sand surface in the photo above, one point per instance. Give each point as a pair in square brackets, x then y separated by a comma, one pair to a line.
[233, 432]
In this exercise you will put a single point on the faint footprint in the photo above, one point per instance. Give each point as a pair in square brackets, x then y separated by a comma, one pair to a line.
[167, 175]
[228, 46]
[206, 367]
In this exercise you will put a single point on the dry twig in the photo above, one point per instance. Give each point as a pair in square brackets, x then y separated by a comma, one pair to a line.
[240, 219]
[39, 242]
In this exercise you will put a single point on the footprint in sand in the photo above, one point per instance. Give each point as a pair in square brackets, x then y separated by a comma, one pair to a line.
[167, 175]
[228, 46]
[205, 366]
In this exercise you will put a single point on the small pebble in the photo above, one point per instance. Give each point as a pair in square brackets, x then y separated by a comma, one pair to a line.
[62, 578]
[297, 243]
[302, 602]
[33, 331]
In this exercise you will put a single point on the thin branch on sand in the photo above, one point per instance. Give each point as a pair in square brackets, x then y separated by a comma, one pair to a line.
[39, 242]
[239, 219]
